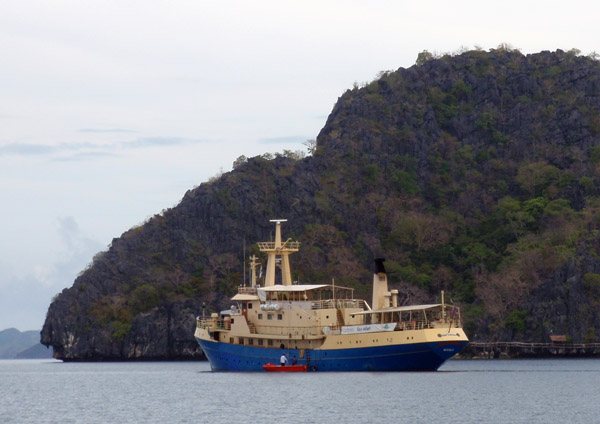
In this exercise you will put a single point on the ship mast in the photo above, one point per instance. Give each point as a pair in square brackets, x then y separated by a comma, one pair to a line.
[278, 250]
[253, 265]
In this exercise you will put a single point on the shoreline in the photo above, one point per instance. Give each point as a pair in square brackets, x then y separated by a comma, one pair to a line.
[517, 350]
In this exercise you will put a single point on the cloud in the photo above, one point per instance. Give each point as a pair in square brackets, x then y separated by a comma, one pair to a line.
[42, 274]
[161, 142]
[74, 240]
[26, 149]
[85, 151]
[25, 298]
[84, 156]
[68, 230]
[24, 302]
[281, 140]
[106, 130]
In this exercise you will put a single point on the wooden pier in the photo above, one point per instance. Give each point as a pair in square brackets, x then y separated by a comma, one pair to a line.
[530, 350]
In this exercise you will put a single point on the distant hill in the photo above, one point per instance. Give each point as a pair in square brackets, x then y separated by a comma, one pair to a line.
[37, 351]
[16, 344]
[478, 174]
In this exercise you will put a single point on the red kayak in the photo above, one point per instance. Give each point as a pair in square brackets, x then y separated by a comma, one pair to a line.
[282, 368]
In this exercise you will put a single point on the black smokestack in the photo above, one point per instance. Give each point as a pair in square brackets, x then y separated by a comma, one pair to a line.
[379, 268]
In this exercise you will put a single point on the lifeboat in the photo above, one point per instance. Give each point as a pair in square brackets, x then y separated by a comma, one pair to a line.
[271, 367]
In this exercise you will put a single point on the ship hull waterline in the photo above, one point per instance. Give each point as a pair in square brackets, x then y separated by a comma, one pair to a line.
[427, 356]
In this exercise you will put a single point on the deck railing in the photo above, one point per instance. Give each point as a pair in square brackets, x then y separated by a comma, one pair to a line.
[421, 324]
[207, 323]
[273, 330]
[270, 245]
[247, 290]
[337, 304]
[313, 330]
[287, 332]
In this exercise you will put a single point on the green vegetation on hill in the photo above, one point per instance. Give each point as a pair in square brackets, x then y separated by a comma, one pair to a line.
[476, 174]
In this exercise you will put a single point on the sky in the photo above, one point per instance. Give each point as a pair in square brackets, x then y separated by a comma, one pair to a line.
[111, 110]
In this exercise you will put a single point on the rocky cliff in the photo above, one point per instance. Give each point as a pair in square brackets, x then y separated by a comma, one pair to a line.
[476, 173]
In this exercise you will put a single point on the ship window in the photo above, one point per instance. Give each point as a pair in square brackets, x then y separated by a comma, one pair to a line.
[231, 340]
[270, 342]
[251, 342]
[269, 316]
[249, 305]
[279, 316]
[241, 340]
[259, 316]
[260, 342]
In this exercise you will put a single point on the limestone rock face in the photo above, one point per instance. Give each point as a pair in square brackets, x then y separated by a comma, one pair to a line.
[477, 174]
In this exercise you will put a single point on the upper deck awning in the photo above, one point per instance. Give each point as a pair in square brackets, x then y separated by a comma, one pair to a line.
[296, 288]
[400, 309]
[293, 288]
[244, 296]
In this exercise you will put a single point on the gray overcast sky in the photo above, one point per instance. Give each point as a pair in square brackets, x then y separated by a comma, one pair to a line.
[111, 110]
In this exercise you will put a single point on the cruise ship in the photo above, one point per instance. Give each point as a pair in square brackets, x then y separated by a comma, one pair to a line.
[323, 326]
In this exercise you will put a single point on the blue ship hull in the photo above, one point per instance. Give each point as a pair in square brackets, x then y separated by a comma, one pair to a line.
[405, 357]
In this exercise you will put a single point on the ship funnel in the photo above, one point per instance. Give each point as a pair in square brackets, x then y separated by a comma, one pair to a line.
[381, 295]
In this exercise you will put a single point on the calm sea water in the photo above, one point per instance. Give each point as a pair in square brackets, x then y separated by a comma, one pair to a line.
[475, 391]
